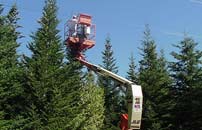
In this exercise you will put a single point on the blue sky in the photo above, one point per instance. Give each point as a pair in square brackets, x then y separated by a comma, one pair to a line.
[124, 21]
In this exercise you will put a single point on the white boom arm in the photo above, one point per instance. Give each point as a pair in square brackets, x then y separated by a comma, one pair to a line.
[105, 72]
[134, 94]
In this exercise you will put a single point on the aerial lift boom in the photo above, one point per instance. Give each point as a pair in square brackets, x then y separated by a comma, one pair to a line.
[134, 96]
[79, 38]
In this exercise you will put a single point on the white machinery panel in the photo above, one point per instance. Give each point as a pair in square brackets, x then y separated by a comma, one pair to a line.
[136, 107]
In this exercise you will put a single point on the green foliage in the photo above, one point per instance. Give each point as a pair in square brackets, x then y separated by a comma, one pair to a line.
[12, 99]
[155, 82]
[44, 68]
[92, 105]
[113, 101]
[132, 74]
[186, 73]
[67, 103]
[80, 103]
[109, 62]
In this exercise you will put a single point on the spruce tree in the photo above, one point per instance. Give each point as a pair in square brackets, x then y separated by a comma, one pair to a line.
[69, 104]
[109, 62]
[83, 100]
[154, 80]
[111, 91]
[67, 99]
[132, 74]
[166, 102]
[44, 68]
[92, 105]
[11, 90]
[186, 73]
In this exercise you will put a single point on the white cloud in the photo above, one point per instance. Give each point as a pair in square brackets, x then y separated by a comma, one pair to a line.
[177, 34]
[196, 1]
[181, 34]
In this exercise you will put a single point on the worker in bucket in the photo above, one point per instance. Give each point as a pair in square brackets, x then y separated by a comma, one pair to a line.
[73, 26]
[87, 31]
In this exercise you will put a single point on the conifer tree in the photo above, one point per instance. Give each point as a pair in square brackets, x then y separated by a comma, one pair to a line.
[44, 68]
[111, 91]
[11, 91]
[186, 73]
[67, 99]
[92, 105]
[131, 74]
[154, 80]
[85, 99]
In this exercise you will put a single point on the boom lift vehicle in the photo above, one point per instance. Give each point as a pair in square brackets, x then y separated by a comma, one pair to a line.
[79, 36]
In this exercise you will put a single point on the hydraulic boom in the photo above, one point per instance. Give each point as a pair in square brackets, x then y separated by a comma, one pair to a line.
[134, 96]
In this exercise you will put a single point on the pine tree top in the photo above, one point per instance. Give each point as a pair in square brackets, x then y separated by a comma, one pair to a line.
[109, 62]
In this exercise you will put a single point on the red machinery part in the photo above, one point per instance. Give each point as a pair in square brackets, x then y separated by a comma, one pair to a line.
[85, 19]
[124, 122]
[81, 42]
